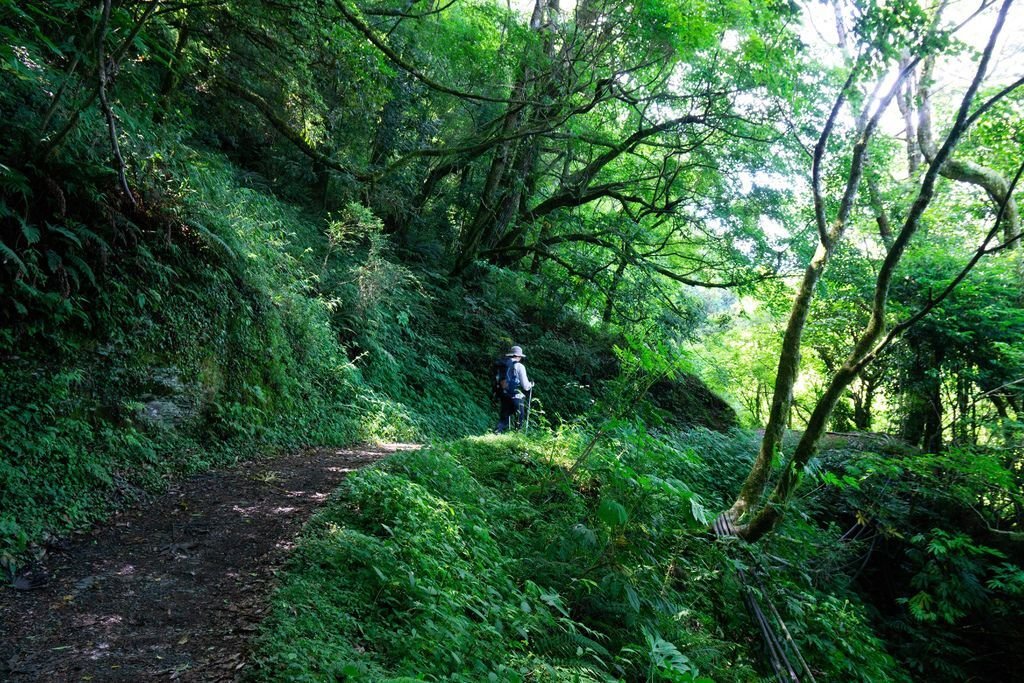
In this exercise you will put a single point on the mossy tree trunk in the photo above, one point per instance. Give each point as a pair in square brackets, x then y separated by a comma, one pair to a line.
[753, 514]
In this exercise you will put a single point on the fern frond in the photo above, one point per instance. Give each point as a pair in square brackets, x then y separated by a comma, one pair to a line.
[68, 234]
[88, 235]
[9, 254]
[12, 181]
[569, 644]
[212, 239]
[29, 232]
[82, 268]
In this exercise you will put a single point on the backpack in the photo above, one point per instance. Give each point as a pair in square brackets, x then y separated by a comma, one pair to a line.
[506, 381]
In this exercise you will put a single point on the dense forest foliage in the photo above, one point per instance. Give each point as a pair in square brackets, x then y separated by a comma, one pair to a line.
[763, 256]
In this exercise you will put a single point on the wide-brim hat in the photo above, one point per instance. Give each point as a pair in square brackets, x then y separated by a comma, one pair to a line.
[515, 351]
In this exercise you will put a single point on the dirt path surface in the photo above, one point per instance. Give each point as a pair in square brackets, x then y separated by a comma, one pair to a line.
[174, 589]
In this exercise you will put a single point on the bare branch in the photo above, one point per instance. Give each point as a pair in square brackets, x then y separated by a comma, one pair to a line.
[108, 113]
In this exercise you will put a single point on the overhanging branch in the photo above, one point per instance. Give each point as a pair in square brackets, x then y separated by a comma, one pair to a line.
[293, 136]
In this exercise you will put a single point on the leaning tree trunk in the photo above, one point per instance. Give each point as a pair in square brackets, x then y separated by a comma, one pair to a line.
[874, 338]
[785, 378]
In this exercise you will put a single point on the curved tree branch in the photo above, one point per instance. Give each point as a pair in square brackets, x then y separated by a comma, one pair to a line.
[363, 28]
[282, 126]
[108, 113]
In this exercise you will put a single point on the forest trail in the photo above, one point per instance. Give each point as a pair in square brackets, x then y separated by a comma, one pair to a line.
[172, 589]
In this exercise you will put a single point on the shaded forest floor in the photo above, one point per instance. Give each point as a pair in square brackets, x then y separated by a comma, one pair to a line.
[173, 588]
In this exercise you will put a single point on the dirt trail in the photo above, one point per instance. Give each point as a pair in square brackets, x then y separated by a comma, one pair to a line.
[174, 589]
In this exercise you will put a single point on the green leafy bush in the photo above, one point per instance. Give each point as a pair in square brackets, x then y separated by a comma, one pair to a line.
[488, 546]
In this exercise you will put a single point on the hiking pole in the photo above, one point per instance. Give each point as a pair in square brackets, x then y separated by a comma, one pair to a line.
[529, 400]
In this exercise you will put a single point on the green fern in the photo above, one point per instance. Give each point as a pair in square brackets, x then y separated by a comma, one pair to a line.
[11, 256]
[212, 239]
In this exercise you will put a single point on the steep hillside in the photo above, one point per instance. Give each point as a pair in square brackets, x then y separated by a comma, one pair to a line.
[224, 321]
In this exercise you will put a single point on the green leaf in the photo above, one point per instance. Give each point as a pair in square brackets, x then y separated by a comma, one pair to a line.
[632, 597]
[53, 260]
[61, 230]
[13, 181]
[10, 255]
[83, 268]
[30, 232]
[612, 513]
[699, 513]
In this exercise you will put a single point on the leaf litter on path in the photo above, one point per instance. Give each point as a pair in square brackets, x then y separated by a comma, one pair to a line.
[174, 588]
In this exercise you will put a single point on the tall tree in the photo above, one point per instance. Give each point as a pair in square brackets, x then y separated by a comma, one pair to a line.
[885, 31]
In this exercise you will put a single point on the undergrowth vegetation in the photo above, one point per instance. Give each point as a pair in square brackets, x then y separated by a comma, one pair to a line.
[484, 559]
[583, 554]
[193, 346]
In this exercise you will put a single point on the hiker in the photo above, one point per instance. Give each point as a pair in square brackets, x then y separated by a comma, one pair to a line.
[511, 385]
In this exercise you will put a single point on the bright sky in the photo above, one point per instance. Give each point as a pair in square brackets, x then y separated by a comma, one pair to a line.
[820, 29]
[952, 74]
